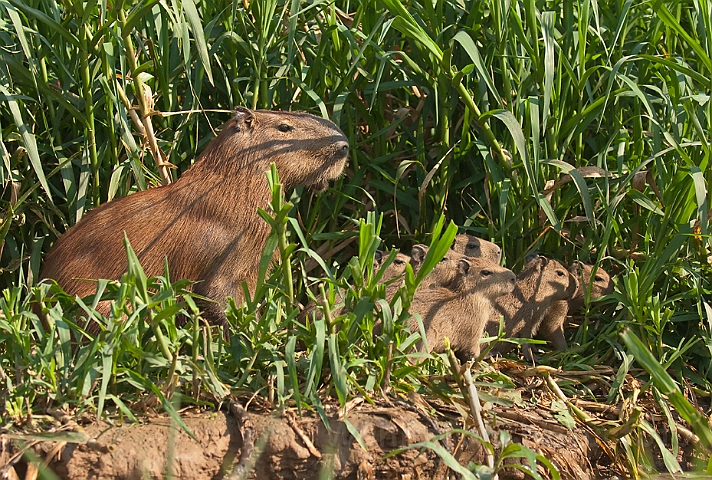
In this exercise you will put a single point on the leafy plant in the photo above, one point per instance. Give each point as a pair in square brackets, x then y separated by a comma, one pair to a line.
[576, 129]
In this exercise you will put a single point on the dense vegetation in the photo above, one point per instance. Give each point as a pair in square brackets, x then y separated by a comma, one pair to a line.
[471, 110]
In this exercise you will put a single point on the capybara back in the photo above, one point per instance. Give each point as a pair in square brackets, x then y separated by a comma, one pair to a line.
[206, 223]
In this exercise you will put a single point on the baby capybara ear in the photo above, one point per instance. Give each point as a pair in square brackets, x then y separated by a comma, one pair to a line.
[417, 255]
[531, 257]
[463, 266]
[378, 258]
[536, 261]
[244, 118]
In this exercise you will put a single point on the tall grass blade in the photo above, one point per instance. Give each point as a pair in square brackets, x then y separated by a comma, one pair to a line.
[667, 386]
[406, 24]
[316, 358]
[28, 139]
[664, 14]
[337, 370]
[547, 27]
[473, 52]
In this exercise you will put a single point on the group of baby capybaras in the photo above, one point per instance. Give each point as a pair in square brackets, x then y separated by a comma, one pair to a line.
[468, 292]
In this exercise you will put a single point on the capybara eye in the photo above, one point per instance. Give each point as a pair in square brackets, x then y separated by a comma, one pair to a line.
[560, 273]
[486, 273]
[472, 245]
[398, 262]
[598, 278]
[444, 258]
[285, 128]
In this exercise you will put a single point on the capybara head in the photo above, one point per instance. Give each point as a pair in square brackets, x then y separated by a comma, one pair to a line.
[598, 286]
[477, 247]
[444, 271]
[482, 276]
[396, 269]
[307, 150]
[546, 280]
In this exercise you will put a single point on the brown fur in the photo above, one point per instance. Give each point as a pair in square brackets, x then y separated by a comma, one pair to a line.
[394, 273]
[552, 327]
[539, 285]
[461, 312]
[477, 247]
[443, 273]
[206, 223]
[396, 269]
[602, 285]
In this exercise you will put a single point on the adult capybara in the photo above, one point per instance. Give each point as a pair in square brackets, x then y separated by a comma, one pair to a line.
[206, 223]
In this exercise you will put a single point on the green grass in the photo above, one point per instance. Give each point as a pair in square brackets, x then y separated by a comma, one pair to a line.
[470, 110]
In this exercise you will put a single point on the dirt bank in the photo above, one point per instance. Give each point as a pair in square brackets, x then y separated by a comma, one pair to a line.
[264, 443]
[286, 446]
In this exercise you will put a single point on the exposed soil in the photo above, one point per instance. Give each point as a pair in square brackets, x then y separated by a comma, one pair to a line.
[264, 444]
[290, 448]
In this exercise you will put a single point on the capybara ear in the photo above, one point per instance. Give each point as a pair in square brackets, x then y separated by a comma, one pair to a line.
[417, 254]
[463, 266]
[575, 278]
[378, 258]
[538, 261]
[474, 244]
[244, 118]
[534, 257]
[576, 268]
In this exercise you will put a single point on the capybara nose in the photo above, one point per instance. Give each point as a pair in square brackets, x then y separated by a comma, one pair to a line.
[342, 148]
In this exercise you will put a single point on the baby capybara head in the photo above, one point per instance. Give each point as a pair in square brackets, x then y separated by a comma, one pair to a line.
[600, 285]
[444, 272]
[307, 150]
[479, 275]
[477, 247]
[547, 280]
[396, 269]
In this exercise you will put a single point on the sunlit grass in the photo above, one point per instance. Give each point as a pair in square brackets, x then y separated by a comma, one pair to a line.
[579, 130]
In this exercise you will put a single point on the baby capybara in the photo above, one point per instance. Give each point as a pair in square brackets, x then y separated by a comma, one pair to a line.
[206, 223]
[552, 327]
[600, 285]
[444, 272]
[461, 311]
[542, 282]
